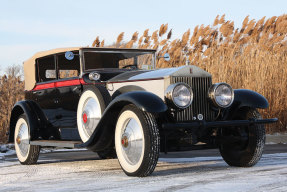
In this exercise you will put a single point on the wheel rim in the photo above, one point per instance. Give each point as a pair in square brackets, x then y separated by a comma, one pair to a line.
[132, 141]
[22, 138]
[91, 115]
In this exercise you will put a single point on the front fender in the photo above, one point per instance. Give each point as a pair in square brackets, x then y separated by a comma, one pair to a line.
[105, 129]
[246, 98]
[144, 100]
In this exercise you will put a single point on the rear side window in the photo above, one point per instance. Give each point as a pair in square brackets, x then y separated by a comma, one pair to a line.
[46, 69]
[51, 74]
[57, 67]
[68, 68]
[68, 73]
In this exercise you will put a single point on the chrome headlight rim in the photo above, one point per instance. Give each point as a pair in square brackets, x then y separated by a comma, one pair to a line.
[94, 76]
[170, 99]
[211, 93]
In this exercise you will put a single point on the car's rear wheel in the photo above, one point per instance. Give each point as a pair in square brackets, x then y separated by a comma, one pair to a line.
[247, 149]
[26, 153]
[108, 154]
[137, 141]
[90, 108]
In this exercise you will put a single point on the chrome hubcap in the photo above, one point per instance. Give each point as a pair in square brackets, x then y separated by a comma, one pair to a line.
[91, 115]
[22, 139]
[125, 141]
[18, 140]
[132, 141]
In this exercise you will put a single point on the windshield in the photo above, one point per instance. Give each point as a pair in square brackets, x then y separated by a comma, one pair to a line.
[120, 60]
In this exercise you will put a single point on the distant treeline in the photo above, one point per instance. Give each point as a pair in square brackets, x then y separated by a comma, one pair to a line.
[11, 91]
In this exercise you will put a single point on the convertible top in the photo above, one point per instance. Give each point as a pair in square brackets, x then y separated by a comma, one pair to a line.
[30, 69]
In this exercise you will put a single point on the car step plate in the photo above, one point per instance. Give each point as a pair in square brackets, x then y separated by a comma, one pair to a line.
[55, 143]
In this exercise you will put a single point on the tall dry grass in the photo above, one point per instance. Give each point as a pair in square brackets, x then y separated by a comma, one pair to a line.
[253, 56]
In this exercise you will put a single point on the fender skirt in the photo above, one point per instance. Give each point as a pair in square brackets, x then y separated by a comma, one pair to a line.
[105, 129]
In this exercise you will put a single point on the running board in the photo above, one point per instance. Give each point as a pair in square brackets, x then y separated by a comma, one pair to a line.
[55, 143]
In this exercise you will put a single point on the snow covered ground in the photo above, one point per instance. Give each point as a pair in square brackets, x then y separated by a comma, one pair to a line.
[171, 174]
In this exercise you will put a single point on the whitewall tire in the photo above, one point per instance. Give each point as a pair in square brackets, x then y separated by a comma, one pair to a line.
[88, 114]
[91, 106]
[137, 141]
[27, 154]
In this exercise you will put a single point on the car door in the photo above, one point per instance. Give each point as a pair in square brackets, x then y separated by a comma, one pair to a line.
[69, 94]
[69, 88]
[45, 93]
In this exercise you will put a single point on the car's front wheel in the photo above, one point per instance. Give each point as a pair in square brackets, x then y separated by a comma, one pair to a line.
[137, 141]
[248, 141]
[108, 154]
[26, 153]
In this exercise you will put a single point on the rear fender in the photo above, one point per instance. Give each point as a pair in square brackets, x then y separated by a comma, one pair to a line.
[35, 118]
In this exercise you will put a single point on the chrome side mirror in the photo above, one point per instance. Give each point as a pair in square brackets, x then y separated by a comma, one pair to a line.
[166, 57]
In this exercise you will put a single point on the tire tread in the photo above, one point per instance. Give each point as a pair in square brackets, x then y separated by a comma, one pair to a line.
[256, 144]
[149, 161]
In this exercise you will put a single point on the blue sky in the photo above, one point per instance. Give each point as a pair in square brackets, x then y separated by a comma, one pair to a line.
[29, 26]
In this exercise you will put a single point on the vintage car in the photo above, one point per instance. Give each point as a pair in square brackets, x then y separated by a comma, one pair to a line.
[116, 103]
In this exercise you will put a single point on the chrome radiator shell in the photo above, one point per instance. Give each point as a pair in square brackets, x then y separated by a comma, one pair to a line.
[200, 104]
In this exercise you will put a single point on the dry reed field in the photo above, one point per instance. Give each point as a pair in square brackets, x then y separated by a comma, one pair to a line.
[251, 57]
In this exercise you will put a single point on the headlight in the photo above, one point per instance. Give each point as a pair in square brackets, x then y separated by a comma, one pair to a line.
[221, 94]
[179, 95]
[94, 76]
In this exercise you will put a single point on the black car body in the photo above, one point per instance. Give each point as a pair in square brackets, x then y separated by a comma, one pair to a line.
[114, 102]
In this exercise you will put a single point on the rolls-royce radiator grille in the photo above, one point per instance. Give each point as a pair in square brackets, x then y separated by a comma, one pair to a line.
[200, 104]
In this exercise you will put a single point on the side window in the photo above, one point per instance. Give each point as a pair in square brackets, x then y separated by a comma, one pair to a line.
[51, 74]
[46, 69]
[68, 73]
[68, 68]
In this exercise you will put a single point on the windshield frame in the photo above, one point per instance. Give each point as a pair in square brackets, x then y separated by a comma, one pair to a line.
[109, 50]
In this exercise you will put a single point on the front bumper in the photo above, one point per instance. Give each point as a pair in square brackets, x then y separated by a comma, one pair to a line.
[204, 124]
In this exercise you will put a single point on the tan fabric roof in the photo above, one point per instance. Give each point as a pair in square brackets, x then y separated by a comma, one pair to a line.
[30, 68]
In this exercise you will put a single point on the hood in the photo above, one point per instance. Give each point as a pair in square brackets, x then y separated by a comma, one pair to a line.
[188, 70]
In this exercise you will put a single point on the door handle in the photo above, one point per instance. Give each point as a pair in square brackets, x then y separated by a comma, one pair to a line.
[75, 89]
[38, 92]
